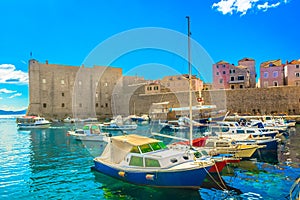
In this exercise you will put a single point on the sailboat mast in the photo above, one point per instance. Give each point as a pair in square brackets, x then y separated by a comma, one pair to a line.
[190, 84]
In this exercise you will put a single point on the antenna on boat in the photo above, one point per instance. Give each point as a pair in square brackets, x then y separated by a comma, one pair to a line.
[190, 84]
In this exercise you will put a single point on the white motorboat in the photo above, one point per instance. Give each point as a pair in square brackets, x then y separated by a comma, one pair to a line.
[29, 122]
[89, 132]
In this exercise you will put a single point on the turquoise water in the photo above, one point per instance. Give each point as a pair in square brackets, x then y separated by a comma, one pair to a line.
[47, 164]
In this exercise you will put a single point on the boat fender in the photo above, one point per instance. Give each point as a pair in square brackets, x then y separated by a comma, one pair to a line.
[121, 173]
[150, 177]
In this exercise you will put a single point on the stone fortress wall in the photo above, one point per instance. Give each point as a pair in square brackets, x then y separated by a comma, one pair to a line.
[253, 101]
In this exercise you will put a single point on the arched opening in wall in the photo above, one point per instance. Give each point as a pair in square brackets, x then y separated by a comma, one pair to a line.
[239, 111]
[273, 112]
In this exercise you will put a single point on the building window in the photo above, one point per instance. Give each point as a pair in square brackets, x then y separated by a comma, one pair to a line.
[266, 74]
[62, 105]
[62, 82]
[275, 83]
[275, 74]
[97, 105]
[149, 88]
[224, 66]
[106, 105]
[218, 73]
[241, 78]
[217, 66]
[233, 71]
[155, 87]
[241, 86]
[224, 72]
[62, 94]
[297, 66]
[80, 105]
[44, 105]
[297, 74]
[221, 80]
[232, 78]
[232, 87]
[43, 80]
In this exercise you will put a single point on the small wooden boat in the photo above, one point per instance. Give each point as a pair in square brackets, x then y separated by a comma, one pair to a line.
[217, 145]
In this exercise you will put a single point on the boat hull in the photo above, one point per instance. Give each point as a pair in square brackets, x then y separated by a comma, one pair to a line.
[242, 152]
[269, 153]
[92, 138]
[218, 167]
[118, 128]
[187, 178]
[32, 126]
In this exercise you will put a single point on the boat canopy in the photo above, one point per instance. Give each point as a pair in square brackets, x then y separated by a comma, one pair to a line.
[134, 140]
[119, 146]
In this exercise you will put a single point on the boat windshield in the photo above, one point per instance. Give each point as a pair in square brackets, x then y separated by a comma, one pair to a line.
[148, 147]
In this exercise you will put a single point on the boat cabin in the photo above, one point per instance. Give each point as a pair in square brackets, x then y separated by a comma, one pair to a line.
[138, 151]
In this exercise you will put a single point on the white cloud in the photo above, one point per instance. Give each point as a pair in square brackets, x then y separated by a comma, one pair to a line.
[1, 98]
[15, 95]
[9, 75]
[225, 6]
[6, 91]
[12, 108]
[266, 6]
[243, 6]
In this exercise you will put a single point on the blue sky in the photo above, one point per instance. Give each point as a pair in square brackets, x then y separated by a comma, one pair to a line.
[66, 32]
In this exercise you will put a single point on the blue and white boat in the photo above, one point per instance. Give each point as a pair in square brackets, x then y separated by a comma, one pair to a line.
[145, 161]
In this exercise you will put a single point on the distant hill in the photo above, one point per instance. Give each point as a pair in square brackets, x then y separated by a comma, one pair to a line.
[20, 112]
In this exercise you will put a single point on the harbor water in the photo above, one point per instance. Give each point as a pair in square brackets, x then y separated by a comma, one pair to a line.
[48, 164]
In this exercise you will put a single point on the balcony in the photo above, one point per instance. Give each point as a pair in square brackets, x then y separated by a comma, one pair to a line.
[236, 81]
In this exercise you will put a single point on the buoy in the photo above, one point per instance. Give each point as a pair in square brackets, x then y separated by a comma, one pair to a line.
[121, 173]
[150, 177]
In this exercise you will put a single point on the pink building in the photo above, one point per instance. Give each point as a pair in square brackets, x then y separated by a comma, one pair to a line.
[292, 73]
[221, 75]
[228, 76]
[271, 73]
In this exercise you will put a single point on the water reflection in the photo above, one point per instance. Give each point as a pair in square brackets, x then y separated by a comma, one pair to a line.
[47, 164]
